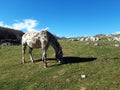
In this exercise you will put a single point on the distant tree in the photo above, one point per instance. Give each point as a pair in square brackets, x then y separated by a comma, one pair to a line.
[10, 34]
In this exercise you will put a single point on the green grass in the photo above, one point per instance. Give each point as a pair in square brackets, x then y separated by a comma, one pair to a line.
[103, 73]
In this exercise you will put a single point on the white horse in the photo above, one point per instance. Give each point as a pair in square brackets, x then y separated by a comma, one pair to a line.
[41, 40]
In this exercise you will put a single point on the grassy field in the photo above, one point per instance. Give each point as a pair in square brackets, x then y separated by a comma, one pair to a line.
[99, 63]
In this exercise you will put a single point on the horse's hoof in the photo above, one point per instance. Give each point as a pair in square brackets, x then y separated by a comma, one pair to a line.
[45, 67]
[61, 62]
[23, 62]
[32, 61]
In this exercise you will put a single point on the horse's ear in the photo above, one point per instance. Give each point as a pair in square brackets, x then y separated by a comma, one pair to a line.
[46, 30]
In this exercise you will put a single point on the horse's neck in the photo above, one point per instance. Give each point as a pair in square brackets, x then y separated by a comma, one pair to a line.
[55, 45]
[52, 40]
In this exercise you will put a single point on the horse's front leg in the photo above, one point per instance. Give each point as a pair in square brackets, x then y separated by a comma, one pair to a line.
[44, 58]
[30, 52]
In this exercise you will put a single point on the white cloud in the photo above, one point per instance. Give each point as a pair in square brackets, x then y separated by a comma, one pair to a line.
[26, 24]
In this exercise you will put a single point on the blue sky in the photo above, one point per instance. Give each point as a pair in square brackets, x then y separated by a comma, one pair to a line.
[69, 18]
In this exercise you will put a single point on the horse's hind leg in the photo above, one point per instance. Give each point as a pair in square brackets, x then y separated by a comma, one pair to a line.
[23, 53]
[30, 52]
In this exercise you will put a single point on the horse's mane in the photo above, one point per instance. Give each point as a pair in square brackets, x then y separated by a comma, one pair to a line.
[53, 41]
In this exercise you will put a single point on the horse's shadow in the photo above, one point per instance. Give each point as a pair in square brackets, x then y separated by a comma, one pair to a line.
[78, 59]
[71, 59]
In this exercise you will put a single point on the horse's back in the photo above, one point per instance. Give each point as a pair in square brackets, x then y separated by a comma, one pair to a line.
[32, 39]
[35, 39]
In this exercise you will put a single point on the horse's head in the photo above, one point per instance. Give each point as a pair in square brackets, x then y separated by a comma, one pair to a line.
[59, 56]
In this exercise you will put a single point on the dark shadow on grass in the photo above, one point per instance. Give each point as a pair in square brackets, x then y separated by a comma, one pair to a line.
[70, 59]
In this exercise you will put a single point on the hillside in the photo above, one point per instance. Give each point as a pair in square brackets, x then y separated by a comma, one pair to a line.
[100, 64]
[8, 35]
[98, 37]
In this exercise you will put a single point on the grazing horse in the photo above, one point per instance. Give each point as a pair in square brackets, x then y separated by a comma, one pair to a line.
[42, 40]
